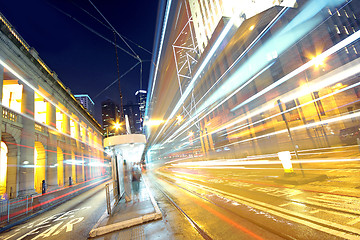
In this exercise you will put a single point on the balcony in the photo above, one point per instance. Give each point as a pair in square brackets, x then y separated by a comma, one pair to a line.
[11, 117]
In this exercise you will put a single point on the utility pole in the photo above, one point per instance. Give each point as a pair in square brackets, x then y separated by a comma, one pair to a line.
[289, 132]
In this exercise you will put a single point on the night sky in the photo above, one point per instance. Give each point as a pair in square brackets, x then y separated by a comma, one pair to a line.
[84, 61]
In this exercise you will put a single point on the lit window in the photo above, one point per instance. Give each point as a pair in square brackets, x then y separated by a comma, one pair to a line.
[72, 128]
[353, 29]
[40, 108]
[354, 49]
[12, 95]
[338, 13]
[346, 50]
[346, 14]
[347, 32]
[337, 29]
[354, 16]
[59, 120]
[329, 11]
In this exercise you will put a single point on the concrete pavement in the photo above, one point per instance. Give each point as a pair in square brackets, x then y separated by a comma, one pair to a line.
[125, 215]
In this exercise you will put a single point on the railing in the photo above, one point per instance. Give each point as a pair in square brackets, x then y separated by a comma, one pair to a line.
[20, 206]
[41, 128]
[11, 115]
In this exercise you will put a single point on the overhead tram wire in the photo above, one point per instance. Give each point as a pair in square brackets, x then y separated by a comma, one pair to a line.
[98, 20]
[118, 72]
[137, 56]
[117, 79]
[111, 42]
[93, 31]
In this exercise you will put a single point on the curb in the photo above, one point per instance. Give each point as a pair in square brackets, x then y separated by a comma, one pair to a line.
[97, 231]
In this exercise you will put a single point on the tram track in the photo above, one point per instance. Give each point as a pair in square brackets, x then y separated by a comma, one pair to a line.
[202, 233]
[196, 226]
[313, 222]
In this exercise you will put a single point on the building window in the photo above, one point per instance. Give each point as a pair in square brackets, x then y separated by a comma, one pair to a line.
[347, 32]
[329, 11]
[337, 29]
[354, 49]
[291, 107]
[319, 104]
[337, 11]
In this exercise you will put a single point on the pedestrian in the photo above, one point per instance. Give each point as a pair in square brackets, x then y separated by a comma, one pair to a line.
[136, 176]
[43, 187]
[127, 181]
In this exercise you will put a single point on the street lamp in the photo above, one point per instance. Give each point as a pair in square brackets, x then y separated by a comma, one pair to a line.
[117, 125]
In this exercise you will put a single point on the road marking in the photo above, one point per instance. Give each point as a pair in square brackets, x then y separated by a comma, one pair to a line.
[69, 226]
[58, 218]
[48, 232]
[32, 232]
[284, 214]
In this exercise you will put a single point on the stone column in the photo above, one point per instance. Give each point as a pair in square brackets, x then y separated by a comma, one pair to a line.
[79, 152]
[1, 87]
[51, 160]
[67, 151]
[26, 174]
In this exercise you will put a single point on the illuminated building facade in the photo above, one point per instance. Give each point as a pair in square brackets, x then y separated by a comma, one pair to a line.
[46, 134]
[86, 101]
[281, 77]
[206, 15]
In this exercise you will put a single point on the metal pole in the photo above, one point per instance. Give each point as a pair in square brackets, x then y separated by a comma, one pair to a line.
[27, 204]
[8, 208]
[108, 199]
[292, 140]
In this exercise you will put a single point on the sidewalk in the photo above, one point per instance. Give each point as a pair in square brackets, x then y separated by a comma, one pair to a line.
[126, 215]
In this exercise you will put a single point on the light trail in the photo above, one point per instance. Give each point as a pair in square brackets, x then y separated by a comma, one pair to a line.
[50, 101]
[198, 72]
[337, 75]
[252, 44]
[166, 17]
[302, 68]
[307, 65]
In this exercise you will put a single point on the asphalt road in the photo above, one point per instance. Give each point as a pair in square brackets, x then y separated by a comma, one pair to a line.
[246, 202]
[71, 220]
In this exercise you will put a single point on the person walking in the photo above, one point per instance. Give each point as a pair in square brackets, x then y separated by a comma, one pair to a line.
[127, 182]
[136, 175]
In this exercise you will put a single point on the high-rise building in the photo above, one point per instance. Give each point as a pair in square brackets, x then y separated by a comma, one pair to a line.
[133, 112]
[141, 101]
[207, 14]
[86, 101]
[110, 114]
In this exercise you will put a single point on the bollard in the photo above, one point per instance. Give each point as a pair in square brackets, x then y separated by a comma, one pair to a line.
[43, 187]
[285, 158]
